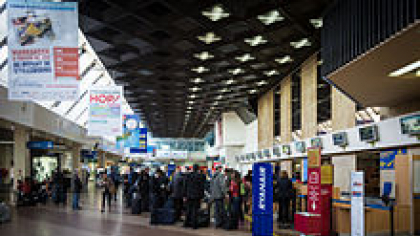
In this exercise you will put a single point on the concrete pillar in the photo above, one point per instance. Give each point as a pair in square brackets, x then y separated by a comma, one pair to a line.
[21, 156]
[309, 87]
[286, 110]
[343, 111]
[266, 120]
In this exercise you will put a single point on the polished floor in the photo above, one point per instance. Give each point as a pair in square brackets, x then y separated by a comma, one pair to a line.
[54, 220]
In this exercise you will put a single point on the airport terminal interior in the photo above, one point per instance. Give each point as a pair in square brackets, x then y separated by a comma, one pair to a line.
[209, 117]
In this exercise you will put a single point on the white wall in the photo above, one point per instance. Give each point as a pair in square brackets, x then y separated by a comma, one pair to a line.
[233, 130]
[251, 137]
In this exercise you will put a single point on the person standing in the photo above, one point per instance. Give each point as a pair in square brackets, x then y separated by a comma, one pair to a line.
[145, 189]
[218, 193]
[284, 194]
[235, 200]
[194, 194]
[177, 187]
[77, 188]
[106, 194]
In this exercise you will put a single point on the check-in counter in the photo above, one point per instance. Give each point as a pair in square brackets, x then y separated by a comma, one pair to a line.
[377, 217]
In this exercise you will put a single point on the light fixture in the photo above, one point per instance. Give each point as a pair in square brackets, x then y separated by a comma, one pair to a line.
[224, 90]
[203, 55]
[200, 69]
[216, 13]
[215, 103]
[405, 69]
[301, 43]
[197, 80]
[284, 60]
[255, 41]
[195, 89]
[230, 81]
[244, 58]
[236, 71]
[261, 83]
[317, 23]
[253, 91]
[271, 72]
[209, 37]
[270, 17]
[219, 97]
[190, 102]
[192, 96]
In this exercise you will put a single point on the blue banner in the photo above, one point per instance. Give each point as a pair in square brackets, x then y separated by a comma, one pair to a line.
[171, 169]
[40, 145]
[262, 198]
[131, 131]
[143, 140]
[388, 157]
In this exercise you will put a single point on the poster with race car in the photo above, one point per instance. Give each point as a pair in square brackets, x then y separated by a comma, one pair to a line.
[105, 111]
[43, 51]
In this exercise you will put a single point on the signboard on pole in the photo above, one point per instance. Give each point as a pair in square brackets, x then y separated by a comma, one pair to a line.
[357, 204]
[314, 180]
[262, 198]
[105, 117]
[43, 50]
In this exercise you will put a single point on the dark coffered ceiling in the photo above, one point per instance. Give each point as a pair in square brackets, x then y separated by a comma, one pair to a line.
[178, 82]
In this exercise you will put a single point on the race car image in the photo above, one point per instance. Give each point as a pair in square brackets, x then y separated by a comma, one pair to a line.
[31, 27]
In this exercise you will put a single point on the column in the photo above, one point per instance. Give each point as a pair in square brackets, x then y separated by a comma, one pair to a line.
[309, 86]
[21, 156]
[286, 110]
[343, 111]
[266, 120]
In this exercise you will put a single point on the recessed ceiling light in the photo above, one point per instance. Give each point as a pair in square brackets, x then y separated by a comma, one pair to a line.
[301, 43]
[189, 107]
[219, 97]
[216, 13]
[262, 82]
[244, 58]
[255, 41]
[230, 81]
[224, 90]
[190, 102]
[197, 80]
[317, 23]
[284, 60]
[203, 55]
[187, 111]
[270, 17]
[200, 69]
[215, 103]
[192, 96]
[209, 37]
[195, 89]
[236, 71]
[253, 91]
[271, 72]
[405, 69]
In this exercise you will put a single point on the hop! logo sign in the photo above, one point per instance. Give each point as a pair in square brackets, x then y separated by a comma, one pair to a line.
[104, 98]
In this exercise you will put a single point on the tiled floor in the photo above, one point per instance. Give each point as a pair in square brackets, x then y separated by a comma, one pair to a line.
[54, 220]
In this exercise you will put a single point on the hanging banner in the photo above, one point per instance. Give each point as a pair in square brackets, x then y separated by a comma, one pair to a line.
[357, 204]
[143, 140]
[131, 131]
[43, 50]
[105, 118]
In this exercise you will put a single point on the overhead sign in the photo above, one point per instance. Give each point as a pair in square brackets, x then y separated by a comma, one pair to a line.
[105, 118]
[262, 198]
[40, 145]
[131, 131]
[43, 50]
[357, 204]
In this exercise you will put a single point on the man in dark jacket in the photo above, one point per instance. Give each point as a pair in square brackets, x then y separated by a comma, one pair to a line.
[284, 194]
[159, 185]
[144, 189]
[177, 189]
[194, 194]
[77, 188]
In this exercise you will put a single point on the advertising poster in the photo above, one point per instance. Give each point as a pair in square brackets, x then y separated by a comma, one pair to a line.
[105, 118]
[357, 204]
[262, 198]
[143, 140]
[314, 180]
[131, 131]
[43, 50]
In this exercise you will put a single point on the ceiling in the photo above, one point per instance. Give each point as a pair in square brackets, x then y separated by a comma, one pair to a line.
[151, 47]
[367, 78]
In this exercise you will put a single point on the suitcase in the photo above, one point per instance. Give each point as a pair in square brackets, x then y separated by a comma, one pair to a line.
[5, 213]
[162, 216]
[136, 206]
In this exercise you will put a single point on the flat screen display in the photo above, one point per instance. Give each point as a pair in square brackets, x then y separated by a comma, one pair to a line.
[410, 124]
[340, 139]
[369, 133]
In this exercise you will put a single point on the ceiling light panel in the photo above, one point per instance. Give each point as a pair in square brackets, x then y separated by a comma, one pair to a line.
[209, 38]
[203, 56]
[261, 83]
[216, 13]
[317, 23]
[301, 43]
[271, 17]
[195, 89]
[255, 41]
[236, 71]
[405, 69]
[244, 58]
[200, 69]
[271, 72]
[284, 60]
[230, 81]
[253, 91]
[197, 80]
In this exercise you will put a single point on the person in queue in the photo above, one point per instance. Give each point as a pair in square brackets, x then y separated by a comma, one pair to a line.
[194, 194]
[218, 193]
[77, 188]
[177, 193]
[107, 193]
[284, 195]
[159, 187]
[235, 202]
[145, 189]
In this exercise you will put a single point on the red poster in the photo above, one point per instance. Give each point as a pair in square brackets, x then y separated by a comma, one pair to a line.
[314, 190]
